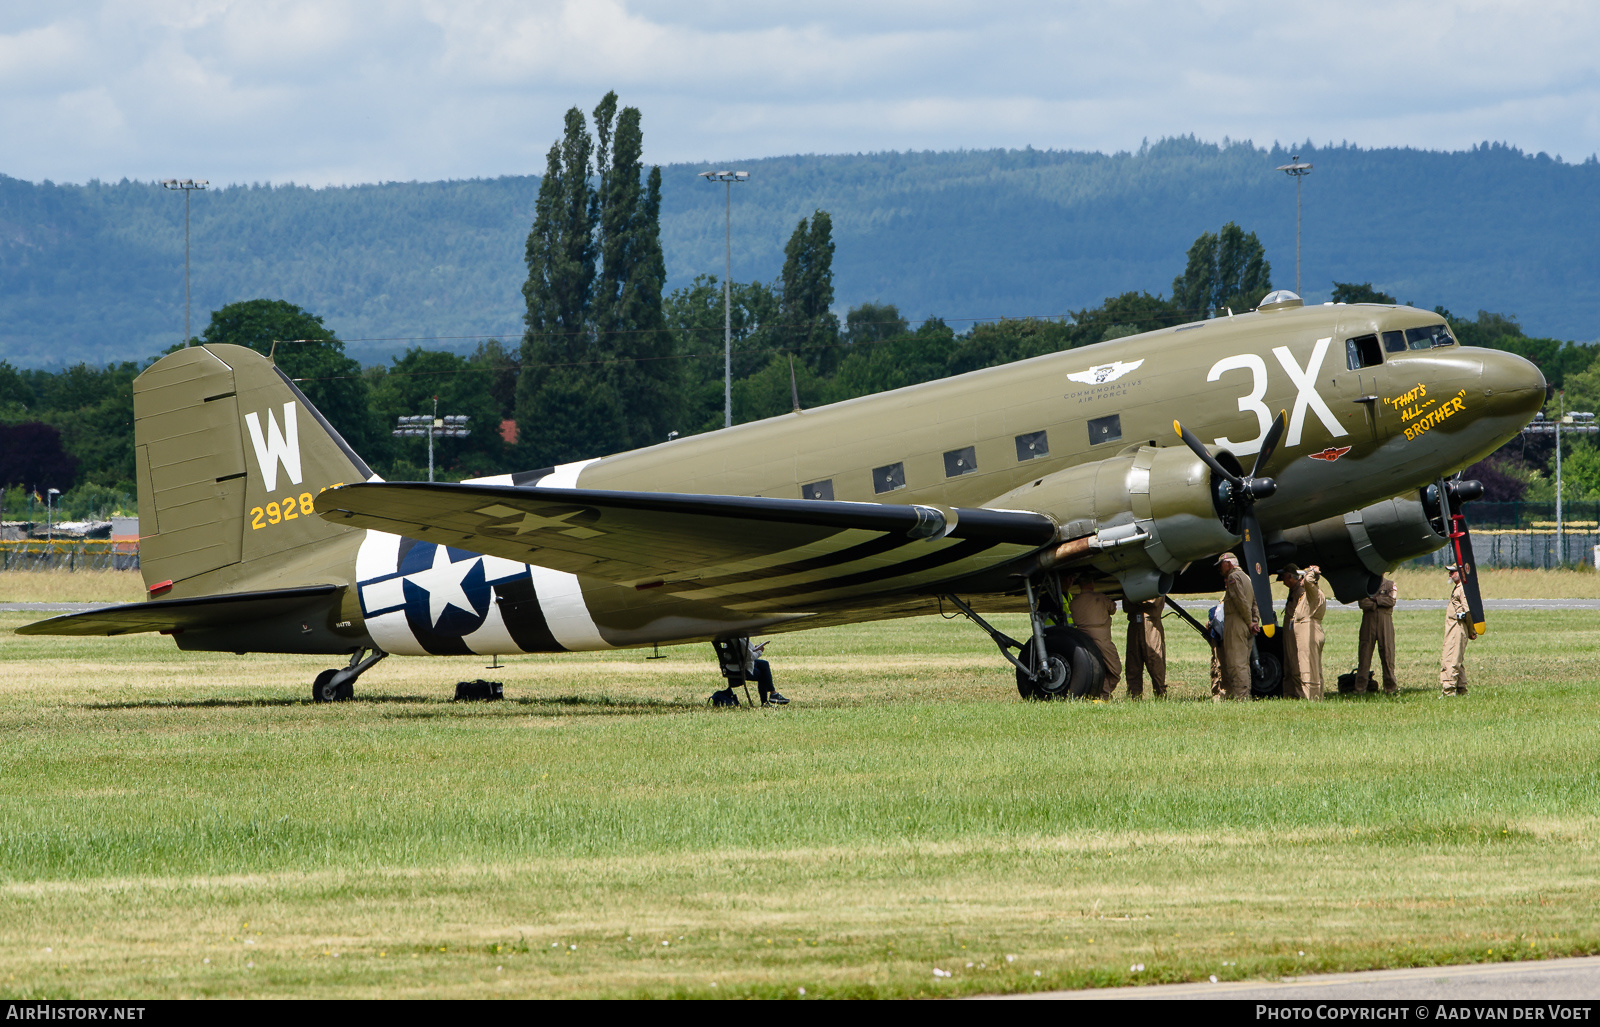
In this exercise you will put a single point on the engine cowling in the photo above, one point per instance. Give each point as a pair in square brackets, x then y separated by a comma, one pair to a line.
[1140, 516]
[1356, 549]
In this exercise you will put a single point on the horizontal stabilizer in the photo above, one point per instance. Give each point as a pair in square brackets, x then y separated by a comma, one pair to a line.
[639, 537]
[180, 614]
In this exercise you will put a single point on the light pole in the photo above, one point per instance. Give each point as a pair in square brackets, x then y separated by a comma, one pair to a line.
[1579, 422]
[49, 514]
[452, 426]
[727, 178]
[1296, 170]
[186, 186]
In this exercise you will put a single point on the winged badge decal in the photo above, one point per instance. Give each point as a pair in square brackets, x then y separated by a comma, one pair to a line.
[1103, 373]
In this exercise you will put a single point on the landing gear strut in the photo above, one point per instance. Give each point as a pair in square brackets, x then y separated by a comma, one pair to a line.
[1059, 660]
[339, 684]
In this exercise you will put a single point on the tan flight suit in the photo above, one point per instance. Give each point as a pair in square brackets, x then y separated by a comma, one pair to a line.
[1239, 619]
[1308, 636]
[1457, 631]
[1147, 646]
[1377, 625]
[1091, 614]
[1292, 687]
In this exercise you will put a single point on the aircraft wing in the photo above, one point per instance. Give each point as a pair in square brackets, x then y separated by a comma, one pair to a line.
[728, 545]
[178, 614]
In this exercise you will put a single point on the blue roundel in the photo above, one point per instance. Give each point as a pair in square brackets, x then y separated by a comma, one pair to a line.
[447, 594]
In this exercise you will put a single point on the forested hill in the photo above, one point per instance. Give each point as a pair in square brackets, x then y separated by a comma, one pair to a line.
[94, 272]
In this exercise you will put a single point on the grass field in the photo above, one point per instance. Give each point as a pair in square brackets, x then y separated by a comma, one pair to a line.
[189, 825]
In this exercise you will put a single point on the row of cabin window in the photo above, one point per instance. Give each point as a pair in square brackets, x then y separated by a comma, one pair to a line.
[1363, 351]
[1030, 446]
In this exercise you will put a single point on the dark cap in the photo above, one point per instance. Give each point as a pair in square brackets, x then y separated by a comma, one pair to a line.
[1289, 568]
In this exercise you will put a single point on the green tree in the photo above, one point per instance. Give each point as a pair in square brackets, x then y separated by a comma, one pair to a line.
[630, 324]
[409, 386]
[694, 313]
[1124, 315]
[310, 354]
[1351, 292]
[496, 368]
[873, 322]
[770, 391]
[810, 328]
[564, 412]
[1224, 271]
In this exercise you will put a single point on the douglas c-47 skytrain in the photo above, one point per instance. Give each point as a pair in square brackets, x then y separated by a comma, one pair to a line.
[1324, 434]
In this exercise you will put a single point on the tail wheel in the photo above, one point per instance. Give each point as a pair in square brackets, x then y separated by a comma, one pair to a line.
[325, 690]
[1073, 666]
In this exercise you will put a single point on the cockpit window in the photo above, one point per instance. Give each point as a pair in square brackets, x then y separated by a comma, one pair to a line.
[1429, 337]
[1394, 342]
[1362, 351]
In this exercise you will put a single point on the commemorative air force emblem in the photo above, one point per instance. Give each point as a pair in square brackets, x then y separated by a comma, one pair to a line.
[1330, 454]
[1105, 372]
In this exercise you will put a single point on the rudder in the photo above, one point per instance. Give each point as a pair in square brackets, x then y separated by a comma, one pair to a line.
[230, 455]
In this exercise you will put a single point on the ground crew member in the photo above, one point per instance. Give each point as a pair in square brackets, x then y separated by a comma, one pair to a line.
[1458, 629]
[1147, 646]
[1377, 625]
[1308, 634]
[1241, 619]
[1214, 636]
[1293, 687]
[1091, 614]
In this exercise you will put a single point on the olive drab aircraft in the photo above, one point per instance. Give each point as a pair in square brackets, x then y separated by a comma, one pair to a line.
[1329, 434]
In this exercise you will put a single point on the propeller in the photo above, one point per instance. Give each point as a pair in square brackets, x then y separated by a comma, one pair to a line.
[1451, 495]
[1237, 496]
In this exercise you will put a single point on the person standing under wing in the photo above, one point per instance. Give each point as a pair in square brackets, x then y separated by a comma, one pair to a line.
[1458, 631]
[1147, 646]
[1308, 632]
[1293, 684]
[1091, 613]
[1241, 620]
[1377, 626]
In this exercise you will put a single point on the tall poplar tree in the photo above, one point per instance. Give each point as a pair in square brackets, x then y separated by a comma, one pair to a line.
[1227, 270]
[810, 328]
[596, 370]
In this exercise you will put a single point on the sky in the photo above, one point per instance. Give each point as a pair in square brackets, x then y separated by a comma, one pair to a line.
[349, 91]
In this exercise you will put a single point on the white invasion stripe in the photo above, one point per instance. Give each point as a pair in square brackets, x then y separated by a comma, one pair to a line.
[493, 479]
[492, 636]
[564, 611]
[565, 476]
[378, 556]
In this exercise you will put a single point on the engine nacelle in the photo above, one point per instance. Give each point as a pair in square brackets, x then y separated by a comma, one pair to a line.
[1141, 516]
[1356, 549]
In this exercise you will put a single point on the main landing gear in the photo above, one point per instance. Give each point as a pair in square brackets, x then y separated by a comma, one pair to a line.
[339, 684]
[1059, 660]
[741, 662]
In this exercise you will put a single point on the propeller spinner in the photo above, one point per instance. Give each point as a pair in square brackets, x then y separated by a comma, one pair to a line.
[1238, 495]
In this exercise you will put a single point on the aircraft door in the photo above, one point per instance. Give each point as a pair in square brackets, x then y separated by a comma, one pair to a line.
[1359, 382]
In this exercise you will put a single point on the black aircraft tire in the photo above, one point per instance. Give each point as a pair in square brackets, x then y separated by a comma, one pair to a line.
[1075, 652]
[344, 691]
[323, 690]
[1269, 683]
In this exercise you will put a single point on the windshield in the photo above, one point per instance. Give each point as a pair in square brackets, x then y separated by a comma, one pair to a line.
[1429, 337]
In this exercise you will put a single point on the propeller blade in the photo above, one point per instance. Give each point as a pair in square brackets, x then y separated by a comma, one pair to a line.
[1461, 546]
[1203, 453]
[1269, 443]
[1255, 559]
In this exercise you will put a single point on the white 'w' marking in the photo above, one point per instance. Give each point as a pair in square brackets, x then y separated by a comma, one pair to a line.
[277, 446]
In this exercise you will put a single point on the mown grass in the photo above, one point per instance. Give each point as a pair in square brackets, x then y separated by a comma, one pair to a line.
[65, 586]
[906, 813]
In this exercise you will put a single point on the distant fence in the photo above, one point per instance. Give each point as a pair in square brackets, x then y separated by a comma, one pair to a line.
[1580, 514]
[95, 554]
[1523, 548]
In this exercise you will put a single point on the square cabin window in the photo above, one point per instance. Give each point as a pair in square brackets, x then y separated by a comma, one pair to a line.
[1033, 445]
[1394, 342]
[1362, 351]
[888, 479]
[817, 490]
[960, 461]
[1105, 429]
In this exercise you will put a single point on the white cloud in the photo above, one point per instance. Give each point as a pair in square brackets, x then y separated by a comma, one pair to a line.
[360, 90]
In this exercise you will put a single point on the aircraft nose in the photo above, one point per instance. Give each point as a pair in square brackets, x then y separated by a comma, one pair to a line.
[1511, 385]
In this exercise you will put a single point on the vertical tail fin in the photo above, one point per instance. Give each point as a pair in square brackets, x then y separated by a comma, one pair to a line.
[230, 456]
